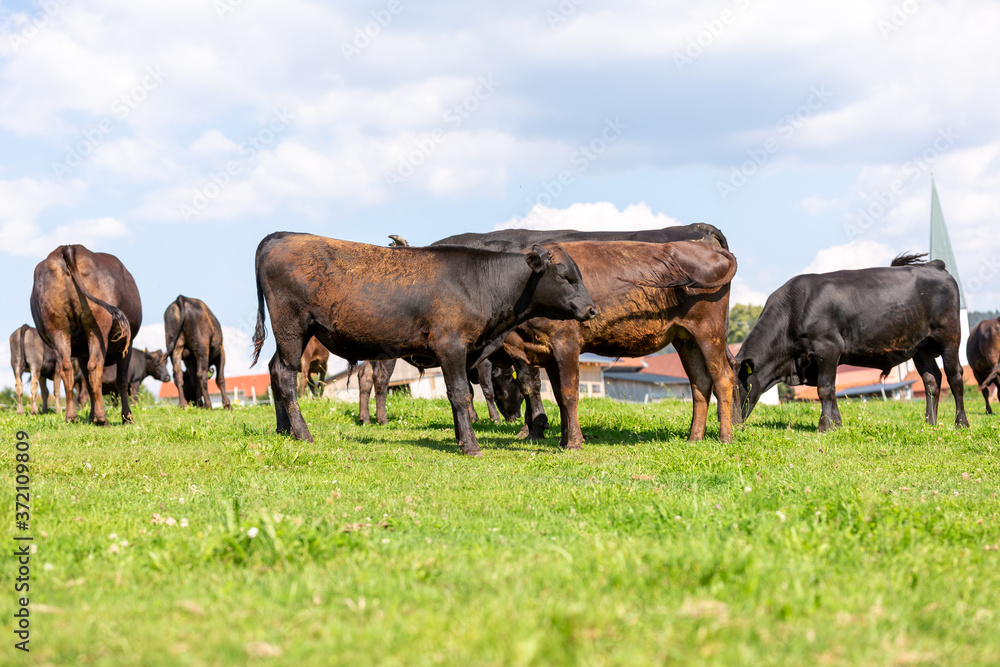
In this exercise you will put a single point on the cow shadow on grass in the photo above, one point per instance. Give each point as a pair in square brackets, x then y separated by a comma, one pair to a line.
[504, 435]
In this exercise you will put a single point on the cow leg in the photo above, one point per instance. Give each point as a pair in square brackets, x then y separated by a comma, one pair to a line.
[201, 370]
[92, 378]
[485, 370]
[694, 365]
[123, 387]
[564, 374]
[723, 382]
[34, 391]
[473, 415]
[220, 379]
[175, 361]
[321, 383]
[530, 384]
[303, 380]
[456, 379]
[826, 387]
[66, 370]
[382, 371]
[931, 375]
[986, 397]
[19, 392]
[366, 378]
[287, 412]
[44, 388]
[953, 370]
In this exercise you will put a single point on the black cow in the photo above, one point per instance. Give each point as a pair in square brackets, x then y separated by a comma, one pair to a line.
[876, 318]
[498, 379]
[194, 338]
[375, 373]
[453, 305]
[144, 364]
[86, 305]
[28, 352]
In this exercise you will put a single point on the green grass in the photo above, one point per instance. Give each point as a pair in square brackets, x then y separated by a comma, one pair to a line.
[876, 544]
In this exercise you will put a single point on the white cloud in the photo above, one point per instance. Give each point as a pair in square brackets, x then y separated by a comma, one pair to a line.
[27, 240]
[597, 216]
[741, 292]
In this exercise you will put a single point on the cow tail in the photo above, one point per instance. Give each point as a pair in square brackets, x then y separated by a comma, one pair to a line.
[176, 333]
[260, 331]
[117, 316]
[992, 377]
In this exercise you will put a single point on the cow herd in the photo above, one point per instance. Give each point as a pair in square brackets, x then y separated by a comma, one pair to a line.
[493, 308]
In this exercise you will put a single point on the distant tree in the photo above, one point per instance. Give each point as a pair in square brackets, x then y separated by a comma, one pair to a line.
[7, 398]
[977, 316]
[742, 317]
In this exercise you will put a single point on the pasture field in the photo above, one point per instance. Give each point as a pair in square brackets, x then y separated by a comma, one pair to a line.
[200, 538]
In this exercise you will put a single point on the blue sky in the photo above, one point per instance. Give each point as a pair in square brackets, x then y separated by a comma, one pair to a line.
[177, 135]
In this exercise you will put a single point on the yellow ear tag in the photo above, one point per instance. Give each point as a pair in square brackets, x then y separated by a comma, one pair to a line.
[514, 375]
[749, 370]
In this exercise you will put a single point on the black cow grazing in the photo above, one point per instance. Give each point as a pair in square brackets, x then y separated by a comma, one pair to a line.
[454, 305]
[28, 352]
[86, 305]
[194, 336]
[876, 318]
[983, 350]
[144, 364]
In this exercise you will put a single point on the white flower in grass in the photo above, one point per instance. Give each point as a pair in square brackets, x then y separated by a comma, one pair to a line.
[253, 532]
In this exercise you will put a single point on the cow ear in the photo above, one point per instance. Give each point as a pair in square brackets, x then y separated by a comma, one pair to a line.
[746, 369]
[538, 259]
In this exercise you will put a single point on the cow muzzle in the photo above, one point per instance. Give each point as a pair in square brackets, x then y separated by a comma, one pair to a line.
[588, 313]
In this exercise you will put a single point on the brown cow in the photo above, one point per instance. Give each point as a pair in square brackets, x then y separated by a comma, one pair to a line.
[983, 350]
[314, 361]
[648, 295]
[28, 352]
[454, 305]
[194, 336]
[87, 305]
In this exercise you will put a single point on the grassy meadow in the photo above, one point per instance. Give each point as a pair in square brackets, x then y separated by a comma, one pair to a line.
[199, 538]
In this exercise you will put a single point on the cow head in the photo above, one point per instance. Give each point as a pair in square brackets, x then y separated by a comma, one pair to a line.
[748, 387]
[507, 393]
[559, 292]
[156, 365]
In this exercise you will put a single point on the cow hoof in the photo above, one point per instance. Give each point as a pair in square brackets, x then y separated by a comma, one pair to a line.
[961, 422]
[472, 452]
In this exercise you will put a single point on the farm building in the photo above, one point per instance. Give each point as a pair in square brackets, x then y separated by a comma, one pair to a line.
[242, 390]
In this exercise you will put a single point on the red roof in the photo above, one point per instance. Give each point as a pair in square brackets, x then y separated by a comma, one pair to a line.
[244, 383]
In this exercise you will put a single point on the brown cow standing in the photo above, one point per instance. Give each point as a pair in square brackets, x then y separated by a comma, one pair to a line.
[194, 336]
[983, 350]
[453, 304]
[648, 295]
[28, 352]
[87, 305]
[314, 361]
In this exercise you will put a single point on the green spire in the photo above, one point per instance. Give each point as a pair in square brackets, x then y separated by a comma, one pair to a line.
[941, 244]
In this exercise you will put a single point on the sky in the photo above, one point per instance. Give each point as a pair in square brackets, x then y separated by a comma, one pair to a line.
[177, 135]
